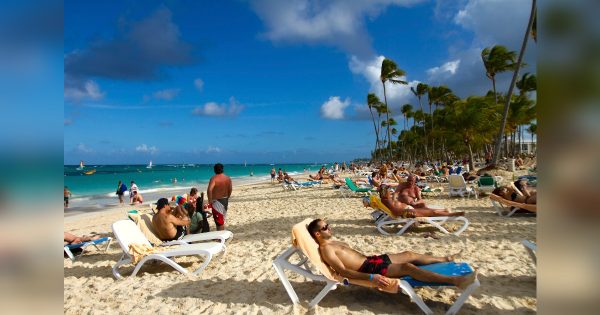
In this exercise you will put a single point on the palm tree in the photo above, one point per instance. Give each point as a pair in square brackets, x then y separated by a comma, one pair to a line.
[532, 130]
[496, 60]
[373, 101]
[512, 82]
[437, 96]
[419, 92]
[390, 72]
[406, 111]
[528, 83]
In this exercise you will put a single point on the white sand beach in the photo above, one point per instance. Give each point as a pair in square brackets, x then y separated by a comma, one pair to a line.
[261, 217]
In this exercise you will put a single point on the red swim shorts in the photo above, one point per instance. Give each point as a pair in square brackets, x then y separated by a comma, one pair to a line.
[219, 219]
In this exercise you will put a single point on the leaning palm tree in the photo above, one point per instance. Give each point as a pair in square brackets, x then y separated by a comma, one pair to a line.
[419, 92]
[436, 96]
[373, 102]
[512, 82]
[496, 60]
[390, 72]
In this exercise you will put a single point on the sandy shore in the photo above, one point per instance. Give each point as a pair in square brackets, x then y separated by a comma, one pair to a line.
[261, 217]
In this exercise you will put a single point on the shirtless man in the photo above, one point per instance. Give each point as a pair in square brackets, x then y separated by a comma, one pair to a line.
[399, 208]
[219, 191]
[354, 265]
[410, 194]
[167, 226]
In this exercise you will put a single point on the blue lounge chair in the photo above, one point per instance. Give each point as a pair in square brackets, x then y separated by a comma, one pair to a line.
[69, 249]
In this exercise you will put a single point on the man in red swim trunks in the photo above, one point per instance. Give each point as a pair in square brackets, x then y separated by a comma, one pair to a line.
[219, 191]
[353, 265]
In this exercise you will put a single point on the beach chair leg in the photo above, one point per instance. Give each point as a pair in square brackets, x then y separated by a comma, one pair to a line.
[330, 286]
[122, 261]
[277, 264]
[408, 290]
[438, 225]
[69, 253]
[207, 258]
[463, 298]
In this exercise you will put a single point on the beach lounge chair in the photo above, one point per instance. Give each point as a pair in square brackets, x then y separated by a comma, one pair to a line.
[531, 249]
[144, 223]
[387, 219]
[307, 251]
[127, 233]
[69, 249]
[486, 184]
[506, 208]
[351, 189]
[458, 187]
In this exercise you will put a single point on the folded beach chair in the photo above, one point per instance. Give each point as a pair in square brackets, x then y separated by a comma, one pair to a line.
[69, 249]
[458, 187]
[352, 189]
[307, 250]
[506, 208]
[127, 233]
[387, 219]
[144, 223]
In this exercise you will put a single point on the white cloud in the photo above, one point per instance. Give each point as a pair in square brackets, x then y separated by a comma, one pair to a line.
[90, 90]
[334, 108]
[234, 108]
[199, 84]
[82, 148]
[448, 69]
[166, 95]
[339, 23]
[212, 149]
[488, 28]
[143, 148]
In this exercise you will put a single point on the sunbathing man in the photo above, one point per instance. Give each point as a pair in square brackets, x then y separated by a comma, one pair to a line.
[352, 264]
[509, 193]
[399, 208]
[319, 175]
[167, 226]
[74, 239]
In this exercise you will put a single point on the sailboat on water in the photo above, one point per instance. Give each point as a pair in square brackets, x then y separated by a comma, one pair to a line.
[149, 164]
[81, 166]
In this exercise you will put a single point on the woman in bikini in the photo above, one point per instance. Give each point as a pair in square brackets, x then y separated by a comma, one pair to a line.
[510, 193]
[400, 209]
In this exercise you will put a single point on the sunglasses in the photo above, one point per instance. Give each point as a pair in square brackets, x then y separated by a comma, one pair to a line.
[325, 227]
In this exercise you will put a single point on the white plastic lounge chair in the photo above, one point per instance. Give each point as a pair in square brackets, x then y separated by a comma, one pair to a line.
[70, 247]
[304, 246]
[486, 184]
[144, 222]
[503, 206]
[458, 187]
[128, 233]
[387, 219]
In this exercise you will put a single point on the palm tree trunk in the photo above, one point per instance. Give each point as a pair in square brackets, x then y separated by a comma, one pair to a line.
[514, 80]
[471, 165]
[376, 131]
[387, 115]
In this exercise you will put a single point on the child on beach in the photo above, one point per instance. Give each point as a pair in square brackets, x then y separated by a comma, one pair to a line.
[67, 195]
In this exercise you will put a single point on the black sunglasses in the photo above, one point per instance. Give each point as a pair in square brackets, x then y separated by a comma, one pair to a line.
[325, 227]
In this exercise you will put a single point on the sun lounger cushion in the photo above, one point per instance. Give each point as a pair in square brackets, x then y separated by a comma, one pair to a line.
[79, 245]
[446, 269]
[144, 223]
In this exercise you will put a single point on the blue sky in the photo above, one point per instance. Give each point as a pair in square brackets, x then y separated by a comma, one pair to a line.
[261, 81]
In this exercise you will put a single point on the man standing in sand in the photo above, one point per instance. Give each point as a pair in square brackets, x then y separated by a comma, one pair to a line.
[352, 264]
[167, 226]
[219, 191]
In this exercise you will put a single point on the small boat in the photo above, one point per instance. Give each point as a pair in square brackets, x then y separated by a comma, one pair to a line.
[90, 172]
[149, 164]
[81, 166]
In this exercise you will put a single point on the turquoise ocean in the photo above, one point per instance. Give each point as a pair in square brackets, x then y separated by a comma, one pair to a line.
[98, 189]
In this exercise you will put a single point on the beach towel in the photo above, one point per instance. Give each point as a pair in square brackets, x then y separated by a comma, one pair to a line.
[139, 251]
